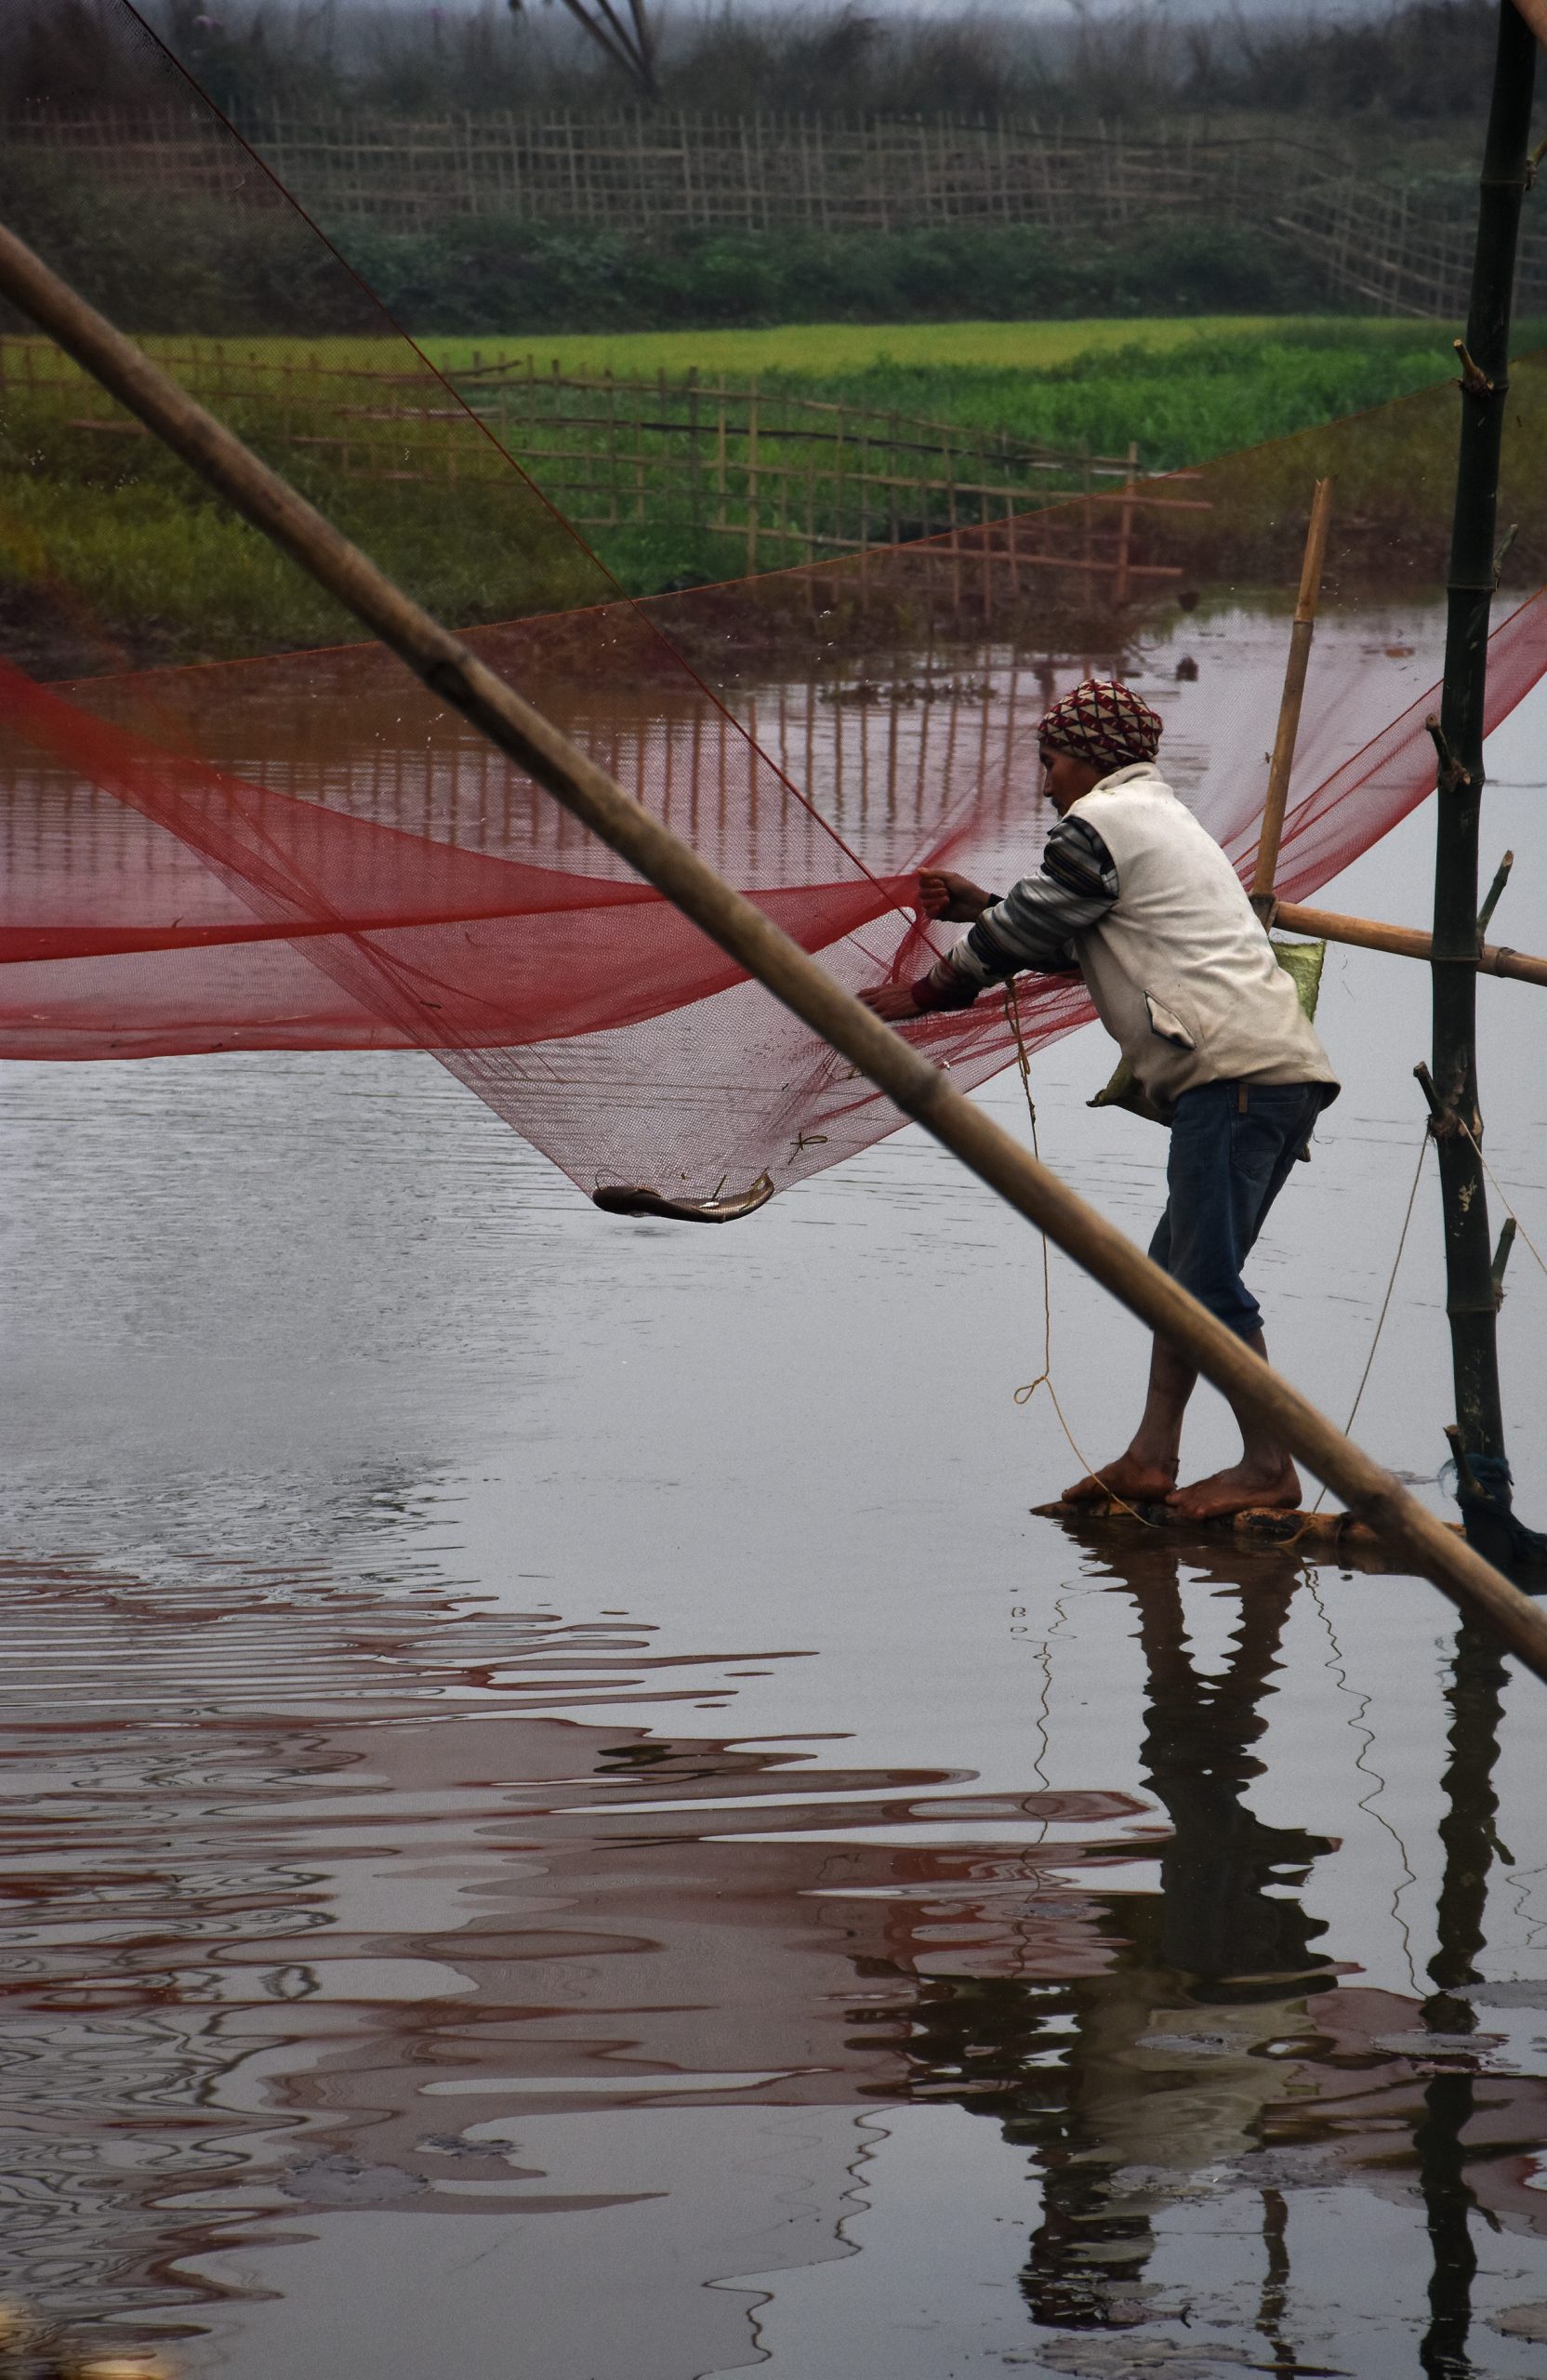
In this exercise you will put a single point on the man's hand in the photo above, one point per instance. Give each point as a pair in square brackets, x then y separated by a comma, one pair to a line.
[955, 899]
[893, 1003]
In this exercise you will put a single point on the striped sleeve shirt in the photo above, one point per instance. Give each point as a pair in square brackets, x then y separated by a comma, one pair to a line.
[1036, 923]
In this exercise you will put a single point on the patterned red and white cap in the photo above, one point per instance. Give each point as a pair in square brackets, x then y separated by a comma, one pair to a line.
[1103, 723]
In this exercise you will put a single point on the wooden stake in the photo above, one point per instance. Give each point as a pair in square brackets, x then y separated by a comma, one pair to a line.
[924, 1092]
[1294, 691]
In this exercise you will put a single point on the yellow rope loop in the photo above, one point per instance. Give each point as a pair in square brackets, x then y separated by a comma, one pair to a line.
[1044, 1377]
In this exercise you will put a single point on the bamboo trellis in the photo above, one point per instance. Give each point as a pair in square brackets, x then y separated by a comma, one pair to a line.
[1396, 250]
[1392, 247]
[665, 168]
[777, 479]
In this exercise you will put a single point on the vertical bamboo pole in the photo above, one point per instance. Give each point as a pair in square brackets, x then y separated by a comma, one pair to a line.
[894, 469]
[1125, 532]
[752, 479]
[865, 514]
[720, 455]
[695, 484]
[1293, 695]
[950, 515]
[1470, 1302]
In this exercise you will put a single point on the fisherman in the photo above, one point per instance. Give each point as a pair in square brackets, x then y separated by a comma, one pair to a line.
[1136, 895]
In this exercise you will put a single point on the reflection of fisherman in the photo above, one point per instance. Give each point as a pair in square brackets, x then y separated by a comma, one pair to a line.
[1138, 897]
[1167, 2074]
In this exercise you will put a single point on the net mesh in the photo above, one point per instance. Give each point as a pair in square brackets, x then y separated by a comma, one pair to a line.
[229, 826]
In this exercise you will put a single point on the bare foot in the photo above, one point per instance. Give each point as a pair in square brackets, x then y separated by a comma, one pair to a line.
[1135, 1482]
[1246, 1487]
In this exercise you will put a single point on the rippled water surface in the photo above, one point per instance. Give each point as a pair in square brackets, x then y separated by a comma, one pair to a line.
[565, 1818]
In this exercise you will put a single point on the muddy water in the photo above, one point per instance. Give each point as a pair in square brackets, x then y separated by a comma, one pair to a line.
[565, 1819]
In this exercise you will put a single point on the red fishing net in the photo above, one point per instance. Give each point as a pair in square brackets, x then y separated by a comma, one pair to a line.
[249, 847]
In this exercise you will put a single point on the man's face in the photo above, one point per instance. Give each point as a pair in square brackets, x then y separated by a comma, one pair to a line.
[1064, 778]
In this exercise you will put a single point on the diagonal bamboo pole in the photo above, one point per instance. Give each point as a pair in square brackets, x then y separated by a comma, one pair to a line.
[918, 1089]
[1284, 741]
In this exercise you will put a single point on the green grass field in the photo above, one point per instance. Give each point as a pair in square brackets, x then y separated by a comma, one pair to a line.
[1183, 390]
[821, 349]
[156, 563]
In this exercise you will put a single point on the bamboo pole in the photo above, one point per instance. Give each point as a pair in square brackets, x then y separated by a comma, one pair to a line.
[1294, 694]
[919, 1090]
[752, 470]
[1470, 1301]
[1406, 942]
[1125, 530]
[695, 484]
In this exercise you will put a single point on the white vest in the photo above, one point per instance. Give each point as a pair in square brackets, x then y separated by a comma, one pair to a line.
[1180, 970]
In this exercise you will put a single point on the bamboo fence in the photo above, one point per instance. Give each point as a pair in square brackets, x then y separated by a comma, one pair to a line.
[1394, 248]
[779, 479]
[1398, 250]
[665, 168]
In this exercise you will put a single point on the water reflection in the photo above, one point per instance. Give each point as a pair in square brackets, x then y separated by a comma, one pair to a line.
[1172, 2056]
[314, 1919]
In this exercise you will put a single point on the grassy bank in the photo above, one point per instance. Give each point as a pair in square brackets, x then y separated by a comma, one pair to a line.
[112, 554]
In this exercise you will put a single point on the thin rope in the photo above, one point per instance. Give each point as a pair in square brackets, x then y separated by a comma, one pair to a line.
[1386, 1302]
[1503, 1199]
[1044, 1377]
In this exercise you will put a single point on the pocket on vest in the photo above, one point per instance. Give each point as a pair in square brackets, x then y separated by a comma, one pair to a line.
[1165, 1021]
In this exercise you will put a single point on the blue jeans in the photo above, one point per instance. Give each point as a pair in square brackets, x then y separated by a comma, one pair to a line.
[1232, 1146]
